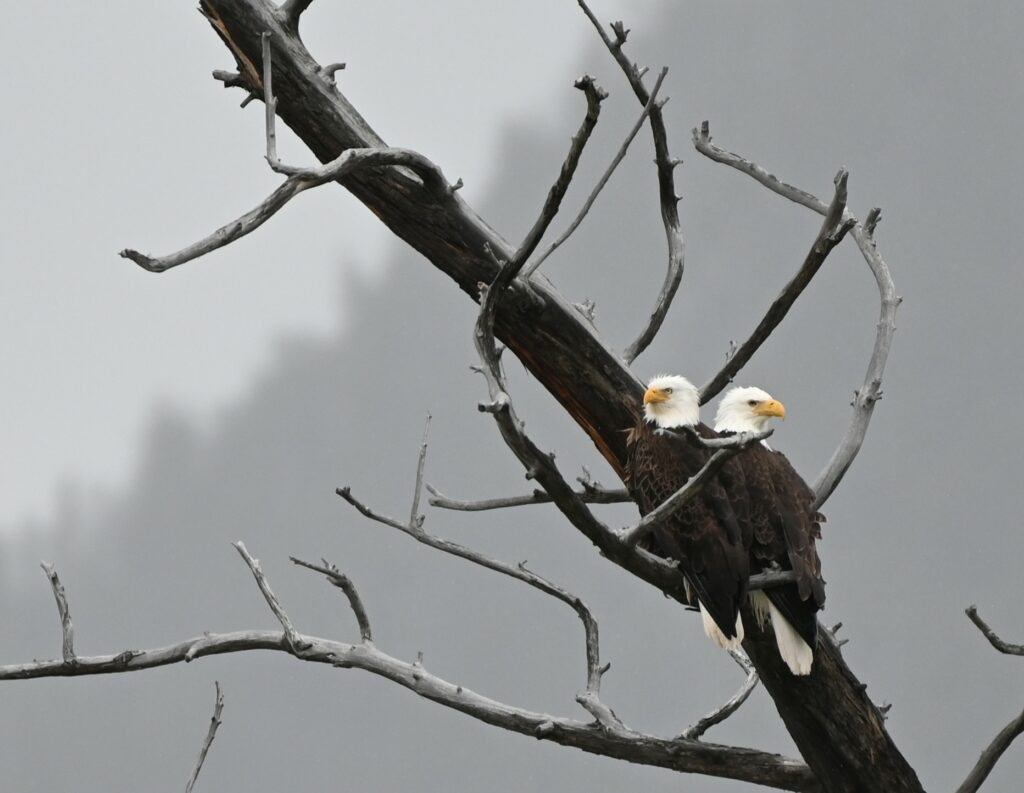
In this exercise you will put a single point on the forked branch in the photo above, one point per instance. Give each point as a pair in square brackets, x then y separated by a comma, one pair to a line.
[299, 179]
[730, 706]
[590, 699]
[531, 268]
[990, 756]
[344, 583]
[829, 236]
[870, 392]
[667, 197]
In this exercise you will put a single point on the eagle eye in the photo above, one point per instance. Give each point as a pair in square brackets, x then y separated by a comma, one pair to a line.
[668, 390]
[752, 402]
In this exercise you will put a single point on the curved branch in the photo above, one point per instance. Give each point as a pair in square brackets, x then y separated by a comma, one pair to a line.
[414, 528]
[667, 197]
[595, 96]
[300, 180]
[991, 755]
[870, 392]
[64, 610]
[218, 709]
[531, 268]
[993, 638]
[731, 705]
[344, 583]
[729, 762]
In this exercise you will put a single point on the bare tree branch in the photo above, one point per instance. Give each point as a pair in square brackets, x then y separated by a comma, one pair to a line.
[349, 161]
[730, 706]
[67, 629]
[531, 268]
[685, 756]
[344, 583]
[668, 199]
[415, 518]
[991, 755]
[218, 708]
[831, 234]
[595, 95]
[540, 465]
[291, 635]
[869, 393]
[1001, 645]
[590, 699]
[592, 495]
[299, 179]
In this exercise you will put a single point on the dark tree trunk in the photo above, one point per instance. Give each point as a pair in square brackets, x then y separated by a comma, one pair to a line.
[837, 729]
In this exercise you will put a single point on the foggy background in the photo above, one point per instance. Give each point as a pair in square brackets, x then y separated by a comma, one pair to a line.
[148, 421]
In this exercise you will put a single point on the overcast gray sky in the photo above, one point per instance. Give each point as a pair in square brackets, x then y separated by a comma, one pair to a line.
[228, 398]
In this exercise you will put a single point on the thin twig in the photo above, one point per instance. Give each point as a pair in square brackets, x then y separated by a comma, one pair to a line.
[689, 491]
[595, 95]
[991, 755]
[291, 635]
[270, 103]
[667, 197]
[772, 578]
[330, 71]
[218, 708]
[414, 528]
[230, 79]
[1001, 645]
[832, 231]
[721, 713]
[531, 268]
[871, 391]
[344, 583]
[415, 518]
[593, 495]
[67, 629]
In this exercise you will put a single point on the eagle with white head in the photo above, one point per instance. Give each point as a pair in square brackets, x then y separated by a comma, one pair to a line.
[785, 527]
[707, 536]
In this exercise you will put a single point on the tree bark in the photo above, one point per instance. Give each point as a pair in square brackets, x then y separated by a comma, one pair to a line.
[837, 729]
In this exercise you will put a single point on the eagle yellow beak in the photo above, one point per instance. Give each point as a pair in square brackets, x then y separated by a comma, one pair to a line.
[654, 395]
[771, 407]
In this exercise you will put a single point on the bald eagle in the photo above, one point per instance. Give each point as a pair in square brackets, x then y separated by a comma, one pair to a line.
[785, 527]
[709, 535]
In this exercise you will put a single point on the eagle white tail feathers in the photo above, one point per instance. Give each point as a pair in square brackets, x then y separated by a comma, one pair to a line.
[715, 633]
[793, 649]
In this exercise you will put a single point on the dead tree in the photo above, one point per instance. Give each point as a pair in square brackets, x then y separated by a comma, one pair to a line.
[839, 732]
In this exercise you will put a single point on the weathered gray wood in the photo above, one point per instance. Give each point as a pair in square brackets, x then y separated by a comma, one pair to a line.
[836, 727]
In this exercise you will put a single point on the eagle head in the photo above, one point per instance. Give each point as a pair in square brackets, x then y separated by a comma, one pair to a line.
[747, 410]
[672, 401]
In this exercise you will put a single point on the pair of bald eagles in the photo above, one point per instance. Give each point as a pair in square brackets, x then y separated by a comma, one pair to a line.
[756, 514]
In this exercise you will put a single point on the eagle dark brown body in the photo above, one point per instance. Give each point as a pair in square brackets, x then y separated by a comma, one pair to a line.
[785, 528]
[709, 535]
